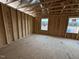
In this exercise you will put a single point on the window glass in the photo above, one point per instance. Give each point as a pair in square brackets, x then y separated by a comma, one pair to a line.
[73, 25]
[44, 24]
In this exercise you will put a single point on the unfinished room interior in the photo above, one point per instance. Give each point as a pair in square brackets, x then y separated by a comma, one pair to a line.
[39, 29]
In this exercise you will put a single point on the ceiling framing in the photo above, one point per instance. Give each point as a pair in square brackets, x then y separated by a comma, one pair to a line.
[45, 7]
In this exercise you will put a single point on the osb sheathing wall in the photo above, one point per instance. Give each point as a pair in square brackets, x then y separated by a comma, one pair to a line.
[14, 25]
[26, 25]
[23, 24]
[57, 26]
[2, 30]
[20, 24]
[8, 23]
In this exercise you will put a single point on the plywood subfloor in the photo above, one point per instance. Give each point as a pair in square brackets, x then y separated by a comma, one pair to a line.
[41, 47]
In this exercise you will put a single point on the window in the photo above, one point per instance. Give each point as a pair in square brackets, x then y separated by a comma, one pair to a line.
[44, 24]
[73, 25]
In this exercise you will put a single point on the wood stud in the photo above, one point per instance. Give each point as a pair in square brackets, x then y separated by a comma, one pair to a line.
[14, 25]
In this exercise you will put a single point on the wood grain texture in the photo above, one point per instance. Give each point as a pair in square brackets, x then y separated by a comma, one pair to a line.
[3, 40]
[26, 24]
[23, 24]
[8, 23]
[14, 23]
[57, 25]
[19, 24]
[30, 24]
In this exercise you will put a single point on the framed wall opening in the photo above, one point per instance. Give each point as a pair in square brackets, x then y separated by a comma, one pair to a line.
[73, 25]
[44, 24]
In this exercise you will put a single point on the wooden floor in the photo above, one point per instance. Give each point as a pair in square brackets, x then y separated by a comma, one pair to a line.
[41, 47]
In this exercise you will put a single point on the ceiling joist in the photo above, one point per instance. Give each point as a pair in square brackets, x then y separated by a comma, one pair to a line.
[44, 6]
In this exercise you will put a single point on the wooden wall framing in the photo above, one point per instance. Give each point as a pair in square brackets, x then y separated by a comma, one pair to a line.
[7, 23]
[3, 40]
[57, 25]
[14, 25]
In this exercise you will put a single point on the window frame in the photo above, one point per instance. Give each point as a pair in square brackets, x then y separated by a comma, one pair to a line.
[41, 24]
[68, 24]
